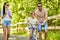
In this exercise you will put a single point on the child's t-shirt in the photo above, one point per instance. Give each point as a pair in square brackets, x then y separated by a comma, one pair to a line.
[32, 21]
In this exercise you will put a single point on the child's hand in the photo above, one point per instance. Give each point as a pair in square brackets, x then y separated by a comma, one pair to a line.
[3, 16]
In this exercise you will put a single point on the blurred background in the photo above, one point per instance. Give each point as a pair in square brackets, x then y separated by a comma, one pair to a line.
[21, 11]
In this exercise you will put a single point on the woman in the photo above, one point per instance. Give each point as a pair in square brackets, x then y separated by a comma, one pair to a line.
[6, 15]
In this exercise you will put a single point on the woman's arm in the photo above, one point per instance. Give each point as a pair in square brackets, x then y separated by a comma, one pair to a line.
[2, 16]
[10, 14]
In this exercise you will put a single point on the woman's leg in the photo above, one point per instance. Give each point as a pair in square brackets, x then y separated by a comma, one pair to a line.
[8, 32]
[4, 32]
[8, 29]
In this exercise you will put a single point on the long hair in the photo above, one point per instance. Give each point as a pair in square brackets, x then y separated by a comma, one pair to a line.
[4, 8]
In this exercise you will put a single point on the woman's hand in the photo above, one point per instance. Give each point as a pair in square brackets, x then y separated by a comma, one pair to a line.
[3, 16]
[9, 15]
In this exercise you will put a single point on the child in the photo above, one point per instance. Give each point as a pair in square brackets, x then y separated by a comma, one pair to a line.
[32, 22]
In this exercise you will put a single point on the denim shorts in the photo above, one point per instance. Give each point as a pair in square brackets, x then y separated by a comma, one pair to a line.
[45, 27]
[6, 23]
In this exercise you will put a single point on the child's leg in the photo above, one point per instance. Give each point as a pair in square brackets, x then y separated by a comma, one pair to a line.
[37, 30]
[30, 36]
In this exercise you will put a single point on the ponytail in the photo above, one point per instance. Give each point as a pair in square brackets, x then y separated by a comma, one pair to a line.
[4, 8]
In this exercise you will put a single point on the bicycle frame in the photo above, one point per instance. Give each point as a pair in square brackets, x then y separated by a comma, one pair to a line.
[34, 36]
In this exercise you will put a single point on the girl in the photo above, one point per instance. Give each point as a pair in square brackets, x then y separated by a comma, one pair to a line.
[32, 22]
[6, 15]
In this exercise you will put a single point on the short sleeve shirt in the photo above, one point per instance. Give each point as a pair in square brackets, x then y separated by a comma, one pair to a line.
[32, 21]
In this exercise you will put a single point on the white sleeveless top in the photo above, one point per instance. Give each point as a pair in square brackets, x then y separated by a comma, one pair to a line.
[7, 16]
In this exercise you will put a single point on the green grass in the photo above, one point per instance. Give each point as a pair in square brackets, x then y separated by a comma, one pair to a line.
[53, 35]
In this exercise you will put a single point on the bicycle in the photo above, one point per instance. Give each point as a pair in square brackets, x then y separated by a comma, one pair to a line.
[34, 34]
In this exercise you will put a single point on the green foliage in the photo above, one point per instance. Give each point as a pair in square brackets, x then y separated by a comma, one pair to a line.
[21, 9]
[53, 35]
